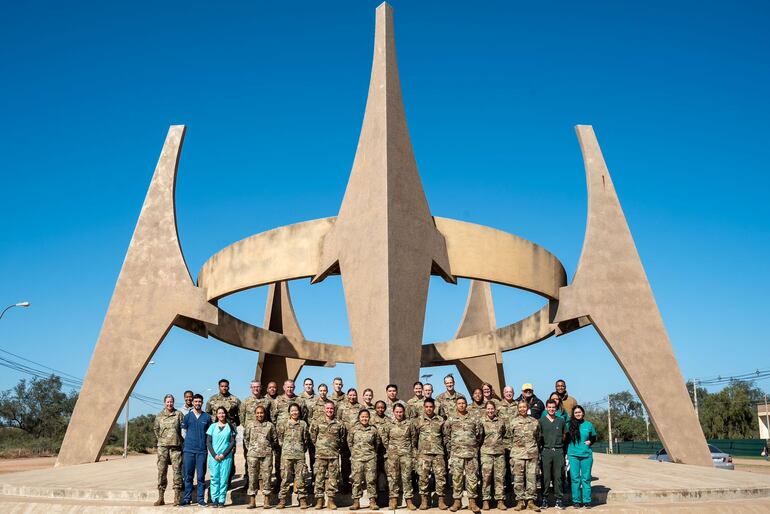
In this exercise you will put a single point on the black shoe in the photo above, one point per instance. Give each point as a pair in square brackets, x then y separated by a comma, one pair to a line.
[559, 504]
[577, 505]
[543, 504]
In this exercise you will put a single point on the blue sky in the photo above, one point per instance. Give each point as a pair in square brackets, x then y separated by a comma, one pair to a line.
[273, 97]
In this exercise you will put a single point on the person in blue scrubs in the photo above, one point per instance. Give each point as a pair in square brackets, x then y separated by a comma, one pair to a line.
[194, 426]
[220, 442]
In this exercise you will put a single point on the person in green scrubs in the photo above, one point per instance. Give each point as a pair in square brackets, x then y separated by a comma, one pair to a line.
[581, 435]
[560, 412]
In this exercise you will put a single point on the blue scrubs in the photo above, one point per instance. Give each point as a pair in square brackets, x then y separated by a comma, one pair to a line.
[194, 455]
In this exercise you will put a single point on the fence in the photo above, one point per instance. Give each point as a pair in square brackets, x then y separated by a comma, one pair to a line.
[735, 447]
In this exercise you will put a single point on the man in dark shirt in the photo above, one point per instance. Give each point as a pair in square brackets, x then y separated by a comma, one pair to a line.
[194, 425]
[552, 432]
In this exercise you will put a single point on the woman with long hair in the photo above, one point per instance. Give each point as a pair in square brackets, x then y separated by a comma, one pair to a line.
[582, 435]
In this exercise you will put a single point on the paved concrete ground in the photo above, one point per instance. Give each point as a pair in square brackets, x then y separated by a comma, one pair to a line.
[625, 483]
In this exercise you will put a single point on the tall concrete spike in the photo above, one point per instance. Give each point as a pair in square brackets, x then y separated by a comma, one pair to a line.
[478, 318]
[385, 242]
[279, 317]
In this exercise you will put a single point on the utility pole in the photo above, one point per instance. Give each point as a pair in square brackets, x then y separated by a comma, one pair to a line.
[609, 423]
[647, 422]
[767, 418]
[125, 430]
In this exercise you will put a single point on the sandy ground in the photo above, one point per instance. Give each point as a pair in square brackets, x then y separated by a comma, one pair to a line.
[30, 463]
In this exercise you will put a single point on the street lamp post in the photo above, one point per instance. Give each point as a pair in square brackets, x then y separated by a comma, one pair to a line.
[20, 304]
[609, 422]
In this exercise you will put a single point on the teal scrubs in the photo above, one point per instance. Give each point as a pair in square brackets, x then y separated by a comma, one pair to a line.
[219, 470]
[581, 460]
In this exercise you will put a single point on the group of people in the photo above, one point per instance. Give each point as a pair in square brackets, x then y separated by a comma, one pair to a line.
[346, 445]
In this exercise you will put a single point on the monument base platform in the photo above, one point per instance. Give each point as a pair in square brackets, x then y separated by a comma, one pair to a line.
[621, 484]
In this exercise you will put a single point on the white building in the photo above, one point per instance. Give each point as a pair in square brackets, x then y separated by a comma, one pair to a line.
[762, 413]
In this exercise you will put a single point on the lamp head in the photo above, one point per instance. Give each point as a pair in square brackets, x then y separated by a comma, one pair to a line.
[22, 304]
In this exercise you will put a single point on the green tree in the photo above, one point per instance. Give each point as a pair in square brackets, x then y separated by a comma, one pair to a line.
[141, 436]
[731, 412]
[38, 407]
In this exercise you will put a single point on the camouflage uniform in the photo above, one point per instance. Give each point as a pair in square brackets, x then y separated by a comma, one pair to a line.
[476, 410]
[370, 408]
[430, 453]
[400, 440]
[464, 434]
[380, 423]
[447, 403]
[389, 406]
[259, 439]
[315, 410]
[347, 413]
[338, 398]
[327, 436]
[249, 405]
[414, 407]
[493, 458]
[168, 432]
[293, 436]
[507, 411]
[525, 436]
[363, 442]
[232, 405]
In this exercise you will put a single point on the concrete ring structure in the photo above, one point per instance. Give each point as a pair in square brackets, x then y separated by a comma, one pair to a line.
[385, 244]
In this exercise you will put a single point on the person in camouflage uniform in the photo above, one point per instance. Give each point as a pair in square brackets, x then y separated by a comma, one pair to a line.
[316, 408]
[293, 437]
[430, 454]
[463, 433]
[225, 399]
[399, 439]
[476, 407]
[414, 404]
[260, 439]
[446, 400]
[363, 441]
[347, 413]
[391, 398]
[168, 432]
[525, 437]
[488, 394]
[368, 402]
[309, 400]
[337, 395]
[379, 420]
[282, 402]
[507, 409]
[327, 435]
[248, 406]
[493, 458]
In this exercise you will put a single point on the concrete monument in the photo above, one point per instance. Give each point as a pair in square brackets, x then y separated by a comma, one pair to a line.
[385, 244]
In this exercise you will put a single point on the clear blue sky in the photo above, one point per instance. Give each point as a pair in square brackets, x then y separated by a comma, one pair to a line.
[273, 96]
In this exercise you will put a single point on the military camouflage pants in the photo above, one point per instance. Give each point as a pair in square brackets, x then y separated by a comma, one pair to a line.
[399, 467]
[427, 464]
[170, 455]
[468, 467]
[492, 473]
[364, 473]
[327, 477]
[293, 470]
[524, 478]
[259, 468]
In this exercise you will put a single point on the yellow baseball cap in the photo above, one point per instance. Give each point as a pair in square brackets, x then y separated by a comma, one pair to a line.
[527, 386]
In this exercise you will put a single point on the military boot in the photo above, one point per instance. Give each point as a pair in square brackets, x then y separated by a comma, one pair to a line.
[472, 505]
[373, 505]
[330, 504]
[160, 501]
[457, 505]
[303, 503]
[485, 505]
[356, 505]
[424, 502]
[441, 503]
[531, 505]
[281, 503]
[319, 503]
[501, 505]
[520, 505]
[410, 504]
[177, 497]
[252, 502]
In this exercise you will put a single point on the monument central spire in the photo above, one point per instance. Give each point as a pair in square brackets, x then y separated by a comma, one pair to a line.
[385, 243]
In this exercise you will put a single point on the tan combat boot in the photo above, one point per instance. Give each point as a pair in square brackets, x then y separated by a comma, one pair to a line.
[319, 503]
[393, 503]
[252, 502]
[531, 505]
[303, 503]
[424, 502]
[330, 504]
[441, 503]
[373, 505]
[160, 501]
[501, 505]
[472, 505]
[281, 503]
[520, 505]
[177, 497]
[410, 504]
[356, 505]
[485, 505]
[457, 505]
